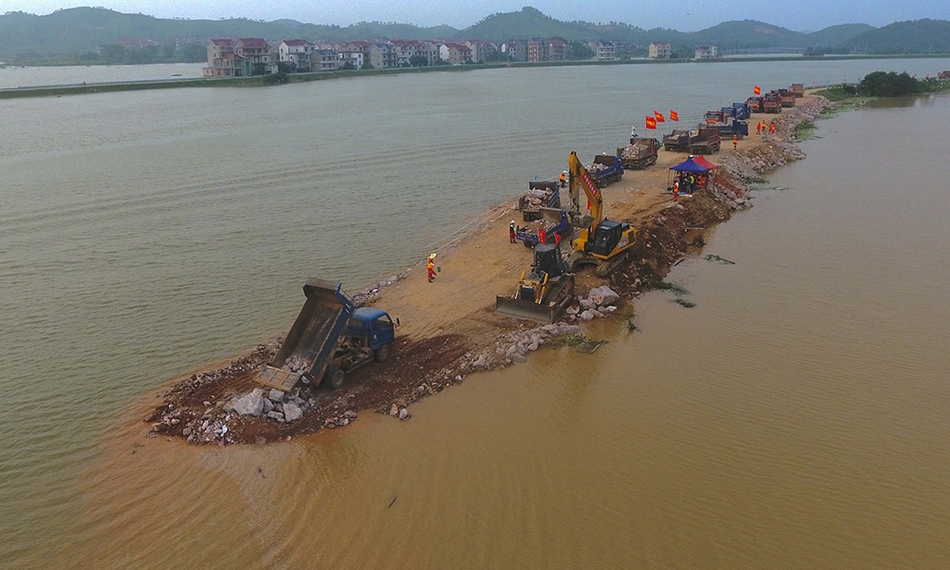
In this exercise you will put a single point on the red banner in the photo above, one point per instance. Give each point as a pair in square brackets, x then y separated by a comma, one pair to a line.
[674, 116]
[659, 117]
[651, 122]
[756, 90]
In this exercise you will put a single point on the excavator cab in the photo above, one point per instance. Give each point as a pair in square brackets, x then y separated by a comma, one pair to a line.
[607, 236]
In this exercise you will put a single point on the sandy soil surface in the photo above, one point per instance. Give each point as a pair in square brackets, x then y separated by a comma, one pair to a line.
[447, 323]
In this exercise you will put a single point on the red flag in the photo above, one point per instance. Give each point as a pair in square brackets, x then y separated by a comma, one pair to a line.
[651, 122]
[756, 90]
[674, 116]
[659, 117]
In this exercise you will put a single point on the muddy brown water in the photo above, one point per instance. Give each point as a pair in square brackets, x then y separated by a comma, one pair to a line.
[796, 417]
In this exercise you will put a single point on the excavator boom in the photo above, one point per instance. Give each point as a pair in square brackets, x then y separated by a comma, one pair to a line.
[580, 178]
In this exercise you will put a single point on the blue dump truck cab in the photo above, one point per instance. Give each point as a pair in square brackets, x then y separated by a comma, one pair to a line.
[372, 328]
[329, 339]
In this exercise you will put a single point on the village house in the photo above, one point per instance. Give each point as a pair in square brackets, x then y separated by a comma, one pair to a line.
[557, 50]
[454, 53]
[660, 50]
[515, 50]
[706, 52]
[326, 60]
[295, 53]
[603, 51]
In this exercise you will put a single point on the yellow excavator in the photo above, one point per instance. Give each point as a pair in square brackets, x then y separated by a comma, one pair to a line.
[601, 242]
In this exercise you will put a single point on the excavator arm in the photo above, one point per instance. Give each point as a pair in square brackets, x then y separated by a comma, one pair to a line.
[580, 178]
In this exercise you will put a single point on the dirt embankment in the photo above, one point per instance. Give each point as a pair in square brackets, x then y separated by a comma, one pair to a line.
[449, 327]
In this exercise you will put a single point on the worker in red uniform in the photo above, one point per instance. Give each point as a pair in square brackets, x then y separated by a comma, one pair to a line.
[771, 128]
[735, 141]
[512, 236]
[430, 267]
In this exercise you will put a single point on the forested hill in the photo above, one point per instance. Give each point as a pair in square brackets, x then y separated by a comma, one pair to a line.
[77, 33]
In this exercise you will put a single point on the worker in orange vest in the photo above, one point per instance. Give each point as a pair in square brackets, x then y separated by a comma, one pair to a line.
[772, 128]
[430, 267]
[735, 141]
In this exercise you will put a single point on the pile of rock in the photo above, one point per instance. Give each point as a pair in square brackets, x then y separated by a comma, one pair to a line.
[277, 405]
[600, 302]
[372, 292]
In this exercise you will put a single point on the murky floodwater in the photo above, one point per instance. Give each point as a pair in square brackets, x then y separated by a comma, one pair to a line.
[795, 418]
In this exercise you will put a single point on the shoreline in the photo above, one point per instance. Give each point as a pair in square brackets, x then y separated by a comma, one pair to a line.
[258, 80]
[450, 328]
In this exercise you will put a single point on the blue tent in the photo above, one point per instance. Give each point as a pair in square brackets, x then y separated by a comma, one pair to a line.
[689, 165]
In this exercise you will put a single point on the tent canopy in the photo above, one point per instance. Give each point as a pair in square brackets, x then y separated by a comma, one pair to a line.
[701, 160]
[689, 165]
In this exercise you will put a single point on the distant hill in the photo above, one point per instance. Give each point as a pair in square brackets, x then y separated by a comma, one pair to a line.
[833, 36]
[913, 36]
[78, 33]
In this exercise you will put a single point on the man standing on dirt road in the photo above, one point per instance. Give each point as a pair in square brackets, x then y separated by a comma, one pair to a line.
[512, 236]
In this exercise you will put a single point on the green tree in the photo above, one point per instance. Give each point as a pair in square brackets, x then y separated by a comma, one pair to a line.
[112, 53]
[194, 53]
[276, 78]
[418, 61]
[580, 51]
[889, 84]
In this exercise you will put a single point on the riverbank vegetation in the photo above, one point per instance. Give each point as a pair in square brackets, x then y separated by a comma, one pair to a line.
[885, 84]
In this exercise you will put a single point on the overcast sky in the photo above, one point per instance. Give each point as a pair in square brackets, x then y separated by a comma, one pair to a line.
[683, 15]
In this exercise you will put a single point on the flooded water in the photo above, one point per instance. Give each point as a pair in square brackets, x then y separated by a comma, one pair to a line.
[796, 417]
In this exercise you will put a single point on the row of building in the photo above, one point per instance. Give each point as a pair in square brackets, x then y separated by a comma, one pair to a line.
[256, 56]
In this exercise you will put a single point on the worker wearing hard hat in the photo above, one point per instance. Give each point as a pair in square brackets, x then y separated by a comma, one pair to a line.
[430, 267]
[512, 236]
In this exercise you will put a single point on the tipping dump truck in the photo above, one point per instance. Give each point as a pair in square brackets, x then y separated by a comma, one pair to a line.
[554, 226]
[707, 141]
[544, 292]
[606, 169]
[540, 194]
[639, 154]
[329, 339]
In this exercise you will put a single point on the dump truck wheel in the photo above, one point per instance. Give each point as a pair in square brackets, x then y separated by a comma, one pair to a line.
[383, 353]
[335, 377]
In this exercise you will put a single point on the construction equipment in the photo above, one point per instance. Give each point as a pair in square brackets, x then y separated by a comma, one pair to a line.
[601, 242]
[730, 128]
[606, 169]
[772, 103]
[544, 292]
[639, 154]
[554, 226]
[798, 89]
[329, 338]
[678, 140]
[756, 104]
[707, 141]
[541, 194]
